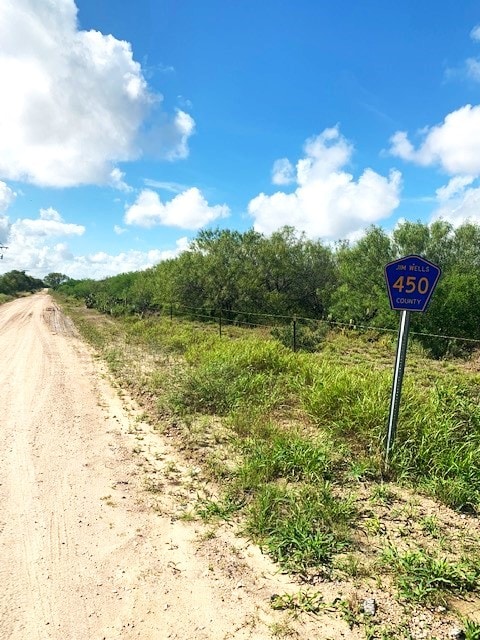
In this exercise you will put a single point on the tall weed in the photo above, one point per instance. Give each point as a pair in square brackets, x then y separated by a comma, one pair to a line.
[352, 402]
[437, 443]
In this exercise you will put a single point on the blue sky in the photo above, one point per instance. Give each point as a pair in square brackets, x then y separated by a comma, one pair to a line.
[126, 127]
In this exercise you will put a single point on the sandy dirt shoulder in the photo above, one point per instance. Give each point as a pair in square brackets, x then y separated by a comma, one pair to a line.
[83, 553]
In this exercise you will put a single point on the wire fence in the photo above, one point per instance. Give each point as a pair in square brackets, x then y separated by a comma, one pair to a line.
[292, 326]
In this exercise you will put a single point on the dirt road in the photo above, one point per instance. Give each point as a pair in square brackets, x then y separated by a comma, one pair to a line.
[82, 556]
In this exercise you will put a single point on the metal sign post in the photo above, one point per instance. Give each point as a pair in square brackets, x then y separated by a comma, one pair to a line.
[399, 368]
[410, 283]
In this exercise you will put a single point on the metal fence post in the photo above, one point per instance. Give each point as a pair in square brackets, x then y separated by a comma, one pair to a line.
[294, 336]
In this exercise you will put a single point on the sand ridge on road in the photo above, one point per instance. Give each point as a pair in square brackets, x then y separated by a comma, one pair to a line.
[81, 558]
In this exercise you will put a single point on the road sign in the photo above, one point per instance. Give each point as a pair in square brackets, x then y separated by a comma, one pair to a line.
[410, 283]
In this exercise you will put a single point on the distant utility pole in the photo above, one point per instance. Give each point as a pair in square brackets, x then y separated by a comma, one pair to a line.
[2, 248]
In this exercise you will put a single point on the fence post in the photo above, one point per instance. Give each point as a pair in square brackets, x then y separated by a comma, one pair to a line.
[294, 336]
[171, 312]
[220, 323]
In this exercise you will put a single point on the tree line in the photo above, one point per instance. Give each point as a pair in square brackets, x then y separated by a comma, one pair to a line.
[15, 282]
[289, 274]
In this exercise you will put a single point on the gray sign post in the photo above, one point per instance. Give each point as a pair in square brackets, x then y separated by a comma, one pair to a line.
[399, 368]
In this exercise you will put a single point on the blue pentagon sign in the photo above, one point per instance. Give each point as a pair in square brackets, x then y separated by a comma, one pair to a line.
[410, 283]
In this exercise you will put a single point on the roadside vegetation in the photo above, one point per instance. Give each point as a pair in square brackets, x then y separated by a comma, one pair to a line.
[291, 447]
[236, 276]
[15, 283]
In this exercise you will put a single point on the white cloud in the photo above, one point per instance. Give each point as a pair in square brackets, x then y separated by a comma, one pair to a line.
[182, 128]
[469, 68]
[169, 139]
[49, 223]
[472, 67]
[4, 229]
[165, 68]
[172, 187]
[73, 101]
[475, 33]
[454, 144]
[283, 172]
[401, 146]
[7, 196]
[102, 264]
[326, 154]
[119, 230]
[454, 187]
[117, 181]
[31, 241]
[458, 202]
[328, 202]
[188, 210]
[33, 248]
[39, 261]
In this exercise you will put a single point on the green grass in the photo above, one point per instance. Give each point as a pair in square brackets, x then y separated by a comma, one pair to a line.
[222, 377]
[423, 577]
[438, 438]
[349, 401]
[430, 526]
[282, 477]
[253, 383]
[300, 527]
[286, 456]
[439, 442]
[5, 298]
[217, 509]
[343, 392]
[471, 630]
[303, 601]
[161, 334]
